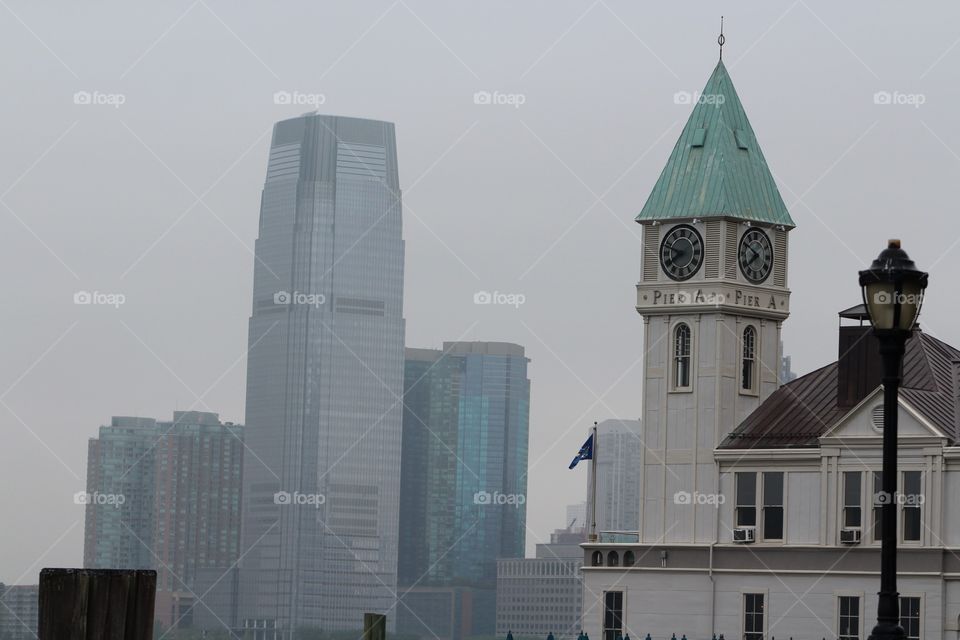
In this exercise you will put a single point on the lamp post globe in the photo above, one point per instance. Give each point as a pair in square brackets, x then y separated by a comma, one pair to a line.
[893, 291]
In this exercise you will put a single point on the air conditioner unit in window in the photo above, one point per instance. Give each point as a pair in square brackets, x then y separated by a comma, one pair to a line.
[745, 534]
[850, 535]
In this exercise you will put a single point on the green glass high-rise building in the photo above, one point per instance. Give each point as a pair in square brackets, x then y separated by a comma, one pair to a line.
[463, 483]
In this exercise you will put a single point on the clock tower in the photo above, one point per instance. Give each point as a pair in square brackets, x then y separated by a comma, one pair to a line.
[713, 295]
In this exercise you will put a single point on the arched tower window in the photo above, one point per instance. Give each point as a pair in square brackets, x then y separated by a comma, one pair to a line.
[748, 373]
[681, 357]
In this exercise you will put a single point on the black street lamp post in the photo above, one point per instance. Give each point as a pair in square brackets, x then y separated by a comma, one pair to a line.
[893, 293]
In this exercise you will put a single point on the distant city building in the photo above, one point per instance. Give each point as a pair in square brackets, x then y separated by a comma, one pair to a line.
[541, 595]
[464, 484]
[19, 611]
[577, 516]
[786, 369]
[165, 496]
[618, 476]
[120, 497]
[445, 612]
[324, 382]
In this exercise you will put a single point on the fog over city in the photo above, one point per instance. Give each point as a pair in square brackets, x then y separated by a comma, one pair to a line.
[529, 135]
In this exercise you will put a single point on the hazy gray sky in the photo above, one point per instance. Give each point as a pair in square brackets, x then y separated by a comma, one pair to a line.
[157, 198]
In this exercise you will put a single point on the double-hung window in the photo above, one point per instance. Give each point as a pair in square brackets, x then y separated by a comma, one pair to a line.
[748, 365]
[753, 614]
[612, 615]
[910, 616]
[852, 512]
[746, 494]
[878, 506]
[773, 505]
[769, 497]
[848, 618]
[912, 501]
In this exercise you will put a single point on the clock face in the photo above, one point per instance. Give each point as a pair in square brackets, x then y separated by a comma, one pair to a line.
[756, 256]
[681, 252]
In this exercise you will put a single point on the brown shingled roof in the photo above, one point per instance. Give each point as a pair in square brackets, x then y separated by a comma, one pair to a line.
[799, 412]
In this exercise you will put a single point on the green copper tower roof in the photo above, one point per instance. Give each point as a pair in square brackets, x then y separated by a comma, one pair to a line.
[717, 168]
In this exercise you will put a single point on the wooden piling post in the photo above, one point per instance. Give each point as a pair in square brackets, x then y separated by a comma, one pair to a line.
[374, 626]
[102, 604]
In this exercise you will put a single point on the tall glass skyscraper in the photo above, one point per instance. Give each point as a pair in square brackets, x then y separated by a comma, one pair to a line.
[464, 483]
[324, 381]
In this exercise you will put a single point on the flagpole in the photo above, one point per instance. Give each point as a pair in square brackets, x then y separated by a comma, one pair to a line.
[593, 486]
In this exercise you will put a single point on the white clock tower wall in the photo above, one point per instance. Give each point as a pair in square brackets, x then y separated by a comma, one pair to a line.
[686, 415]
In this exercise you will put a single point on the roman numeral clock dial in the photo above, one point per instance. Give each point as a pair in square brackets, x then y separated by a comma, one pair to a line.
[755, 256]
[681, 252]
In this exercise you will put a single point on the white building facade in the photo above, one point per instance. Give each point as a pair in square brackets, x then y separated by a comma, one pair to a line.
[758, 503]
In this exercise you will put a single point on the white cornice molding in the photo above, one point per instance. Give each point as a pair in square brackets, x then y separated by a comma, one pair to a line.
[781, 455]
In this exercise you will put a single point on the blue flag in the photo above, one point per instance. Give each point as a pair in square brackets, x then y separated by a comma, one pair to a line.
[585, 453]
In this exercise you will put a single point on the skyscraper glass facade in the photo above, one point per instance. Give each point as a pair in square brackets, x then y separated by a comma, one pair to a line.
[463, 489]
[324, 381]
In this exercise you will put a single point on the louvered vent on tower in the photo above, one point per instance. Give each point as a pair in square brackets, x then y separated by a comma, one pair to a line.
[730, 251]
[711, 265]
[651, 247]
[780, 259]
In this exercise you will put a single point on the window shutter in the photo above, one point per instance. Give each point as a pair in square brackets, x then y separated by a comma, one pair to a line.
[780, 259]
[711, 265]
[730, 251]
[651, 248]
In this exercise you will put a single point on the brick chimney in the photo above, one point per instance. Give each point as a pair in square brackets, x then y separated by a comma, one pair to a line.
[859, 369]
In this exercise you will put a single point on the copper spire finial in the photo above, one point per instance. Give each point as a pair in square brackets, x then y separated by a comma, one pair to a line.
[721, 39]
